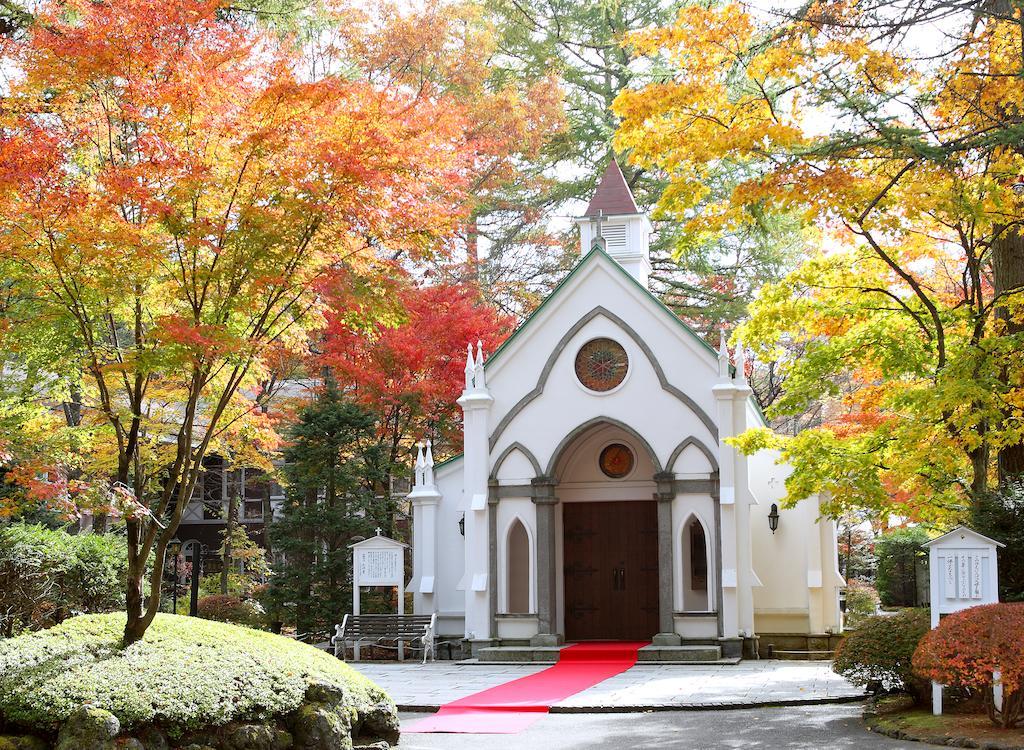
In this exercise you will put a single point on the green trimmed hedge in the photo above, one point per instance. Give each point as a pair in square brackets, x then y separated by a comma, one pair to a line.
[185, 674]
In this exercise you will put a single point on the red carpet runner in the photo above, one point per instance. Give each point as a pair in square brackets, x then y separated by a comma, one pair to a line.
[512, 707]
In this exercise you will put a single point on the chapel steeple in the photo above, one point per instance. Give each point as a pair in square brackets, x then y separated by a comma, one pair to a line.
[613, 222]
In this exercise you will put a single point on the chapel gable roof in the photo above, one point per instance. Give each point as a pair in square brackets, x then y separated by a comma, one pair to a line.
[613, 196]
[597, 255]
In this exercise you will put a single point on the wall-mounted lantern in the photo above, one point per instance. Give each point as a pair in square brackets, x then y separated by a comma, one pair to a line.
[773, 518]
[462, 524]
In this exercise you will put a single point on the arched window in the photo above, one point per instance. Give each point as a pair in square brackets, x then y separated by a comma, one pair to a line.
[695, 575]
[518, 569]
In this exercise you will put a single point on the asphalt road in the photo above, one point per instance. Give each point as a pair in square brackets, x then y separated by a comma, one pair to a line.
[827, 727]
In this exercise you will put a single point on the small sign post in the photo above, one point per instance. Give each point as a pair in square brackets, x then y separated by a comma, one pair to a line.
[378, 561]
[962, 572]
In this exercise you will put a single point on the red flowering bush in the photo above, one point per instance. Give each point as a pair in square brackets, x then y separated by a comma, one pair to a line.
[231, 608]
[968, 646]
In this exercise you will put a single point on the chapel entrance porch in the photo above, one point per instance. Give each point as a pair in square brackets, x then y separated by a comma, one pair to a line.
[611, 570]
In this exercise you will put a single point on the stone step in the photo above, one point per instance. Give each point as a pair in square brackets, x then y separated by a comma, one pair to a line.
[673, 654]
[519, 654]
[706, 654]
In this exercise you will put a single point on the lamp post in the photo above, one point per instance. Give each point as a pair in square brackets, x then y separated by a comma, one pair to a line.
[174, 546]
[197, 572]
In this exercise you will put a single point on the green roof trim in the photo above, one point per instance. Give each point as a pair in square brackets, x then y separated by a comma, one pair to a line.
[453, 459]
[564, 282]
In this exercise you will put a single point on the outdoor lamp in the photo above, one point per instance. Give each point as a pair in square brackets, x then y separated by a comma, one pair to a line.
[1017, 186]
[462, 524]
[174, 546]
[773, 518]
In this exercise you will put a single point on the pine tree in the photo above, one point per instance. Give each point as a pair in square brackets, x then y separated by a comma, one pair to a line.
[333, 462]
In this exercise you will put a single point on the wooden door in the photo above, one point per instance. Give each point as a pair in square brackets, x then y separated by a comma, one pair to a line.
[611, 570]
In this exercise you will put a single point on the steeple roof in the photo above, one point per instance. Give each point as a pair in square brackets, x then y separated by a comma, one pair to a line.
[613, 196]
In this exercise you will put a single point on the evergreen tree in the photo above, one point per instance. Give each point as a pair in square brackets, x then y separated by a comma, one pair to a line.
[333, 462]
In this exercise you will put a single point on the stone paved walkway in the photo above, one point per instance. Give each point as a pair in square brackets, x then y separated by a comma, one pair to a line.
[644, 687]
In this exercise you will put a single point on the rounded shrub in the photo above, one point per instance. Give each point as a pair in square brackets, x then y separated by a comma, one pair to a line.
[48, 575]
[969, 646]
[879, 653]
[231, 608]
[186, 673]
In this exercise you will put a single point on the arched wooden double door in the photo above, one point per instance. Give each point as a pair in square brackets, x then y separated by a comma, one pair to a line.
[611, 570]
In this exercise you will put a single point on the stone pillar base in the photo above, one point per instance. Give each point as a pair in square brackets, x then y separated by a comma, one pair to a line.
[474, 646]
[667, 639]
[731, 647]
[547, 639]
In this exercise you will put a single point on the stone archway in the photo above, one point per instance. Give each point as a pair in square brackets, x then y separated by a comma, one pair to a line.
[606, 534]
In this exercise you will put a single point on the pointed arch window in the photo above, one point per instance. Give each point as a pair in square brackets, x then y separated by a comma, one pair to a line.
[518, 587]
[695, 557]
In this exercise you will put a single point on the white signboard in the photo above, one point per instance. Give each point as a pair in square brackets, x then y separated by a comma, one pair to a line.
[378, 561]
[379, 567]
[962, 571]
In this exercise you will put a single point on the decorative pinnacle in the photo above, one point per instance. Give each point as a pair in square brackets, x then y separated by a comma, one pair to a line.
[420, 464]
[470, 366]
[741, 364]
[428, 467]
[480, 379]
[723, 355]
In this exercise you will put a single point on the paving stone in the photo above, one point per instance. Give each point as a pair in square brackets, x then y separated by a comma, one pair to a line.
[747, 683]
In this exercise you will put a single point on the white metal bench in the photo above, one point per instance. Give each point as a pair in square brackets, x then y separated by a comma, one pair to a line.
[357, 629]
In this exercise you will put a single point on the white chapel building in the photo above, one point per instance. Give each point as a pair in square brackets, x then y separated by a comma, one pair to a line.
[596, 497]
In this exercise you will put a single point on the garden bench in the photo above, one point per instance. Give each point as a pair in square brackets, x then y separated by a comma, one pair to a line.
[358, 629]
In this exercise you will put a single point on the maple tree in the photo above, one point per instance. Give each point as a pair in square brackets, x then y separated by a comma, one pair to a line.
[901, 163]
[410, 370]
[969, 646]
[175, 193]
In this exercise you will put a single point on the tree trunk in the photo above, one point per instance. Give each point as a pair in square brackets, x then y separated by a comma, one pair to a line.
[1007, 278]
[979, 472]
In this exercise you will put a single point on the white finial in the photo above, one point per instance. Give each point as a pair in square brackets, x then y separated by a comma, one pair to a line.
[741, 364]
[378, 531]
[481, 380]
[428, 467]
[470, 366]
[420, 464]
[723, 355]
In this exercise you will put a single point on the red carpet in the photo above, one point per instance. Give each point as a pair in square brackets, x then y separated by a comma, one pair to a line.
[512, 707]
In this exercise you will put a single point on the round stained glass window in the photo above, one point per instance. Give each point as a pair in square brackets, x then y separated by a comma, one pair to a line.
[601, 364]
[616, 460]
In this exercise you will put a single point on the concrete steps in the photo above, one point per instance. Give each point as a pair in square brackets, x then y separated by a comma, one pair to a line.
[674, 654]
[518, 654]
[686, 654]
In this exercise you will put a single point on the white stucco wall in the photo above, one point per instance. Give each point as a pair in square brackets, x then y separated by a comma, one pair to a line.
[793, 571]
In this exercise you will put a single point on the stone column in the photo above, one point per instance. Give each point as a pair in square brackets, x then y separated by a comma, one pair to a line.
[665, 495]
[492, 553]
[545, 501]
